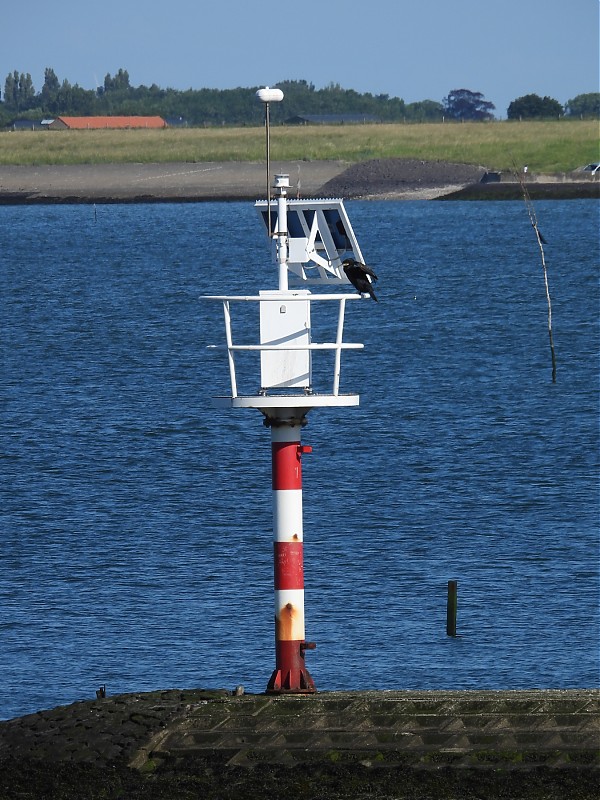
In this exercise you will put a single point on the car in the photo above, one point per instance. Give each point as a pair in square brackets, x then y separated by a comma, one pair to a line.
[593, 168]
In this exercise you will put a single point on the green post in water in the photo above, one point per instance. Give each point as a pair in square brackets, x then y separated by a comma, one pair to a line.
[451, 608]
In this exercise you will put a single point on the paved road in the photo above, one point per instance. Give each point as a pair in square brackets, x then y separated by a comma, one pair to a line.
[177, 181]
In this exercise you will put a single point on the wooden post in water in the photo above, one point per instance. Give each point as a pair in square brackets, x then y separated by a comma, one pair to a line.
[451, 608]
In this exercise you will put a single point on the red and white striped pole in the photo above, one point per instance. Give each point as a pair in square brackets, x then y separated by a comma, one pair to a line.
[290, 675]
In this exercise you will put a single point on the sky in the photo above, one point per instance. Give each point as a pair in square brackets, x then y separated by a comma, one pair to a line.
[412, 49]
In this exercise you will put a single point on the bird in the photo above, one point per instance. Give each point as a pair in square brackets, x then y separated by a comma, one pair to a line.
[360, 276]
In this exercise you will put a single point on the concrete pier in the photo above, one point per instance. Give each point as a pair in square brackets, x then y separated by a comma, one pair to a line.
[384, 744]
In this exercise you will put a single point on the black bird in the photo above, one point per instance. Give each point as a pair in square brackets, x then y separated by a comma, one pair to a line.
[360, 276]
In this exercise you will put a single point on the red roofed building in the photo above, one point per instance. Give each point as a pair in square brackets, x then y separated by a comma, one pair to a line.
[105, 123]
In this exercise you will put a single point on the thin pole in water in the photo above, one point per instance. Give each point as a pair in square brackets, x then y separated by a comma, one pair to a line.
[451, 608]
[541, 242]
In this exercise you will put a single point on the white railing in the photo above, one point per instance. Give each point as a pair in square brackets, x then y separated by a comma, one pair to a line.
[337, 346]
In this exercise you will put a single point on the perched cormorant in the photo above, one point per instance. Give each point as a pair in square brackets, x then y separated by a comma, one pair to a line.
[360, 276]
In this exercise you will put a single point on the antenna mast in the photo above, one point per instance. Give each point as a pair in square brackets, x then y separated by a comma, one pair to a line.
[268, 96]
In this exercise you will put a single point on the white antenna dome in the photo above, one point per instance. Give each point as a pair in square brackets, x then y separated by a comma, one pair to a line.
[267, 95]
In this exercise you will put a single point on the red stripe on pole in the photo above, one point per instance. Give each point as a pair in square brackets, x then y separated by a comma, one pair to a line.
[287, 470]
[289, 565]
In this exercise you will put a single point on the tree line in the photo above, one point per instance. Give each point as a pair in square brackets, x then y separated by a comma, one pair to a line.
[239, 106]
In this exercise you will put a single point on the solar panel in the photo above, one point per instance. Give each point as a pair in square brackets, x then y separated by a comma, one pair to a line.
[320, 237]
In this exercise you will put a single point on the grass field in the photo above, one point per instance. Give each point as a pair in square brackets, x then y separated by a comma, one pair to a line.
[547, 147]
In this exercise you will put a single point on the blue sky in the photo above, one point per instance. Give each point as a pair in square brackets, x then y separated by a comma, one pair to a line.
[413, 49]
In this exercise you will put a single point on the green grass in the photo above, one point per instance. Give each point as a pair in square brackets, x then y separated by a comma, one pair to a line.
[552, 146]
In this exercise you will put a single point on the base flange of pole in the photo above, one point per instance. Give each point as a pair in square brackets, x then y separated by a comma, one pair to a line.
[294, 678]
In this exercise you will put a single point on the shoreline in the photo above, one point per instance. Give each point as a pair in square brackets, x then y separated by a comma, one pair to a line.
[332, 745]
[379, 179]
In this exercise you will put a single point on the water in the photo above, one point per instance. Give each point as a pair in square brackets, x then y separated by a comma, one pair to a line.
[136, 520]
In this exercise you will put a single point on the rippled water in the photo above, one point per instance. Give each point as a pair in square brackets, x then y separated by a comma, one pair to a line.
[135, 519]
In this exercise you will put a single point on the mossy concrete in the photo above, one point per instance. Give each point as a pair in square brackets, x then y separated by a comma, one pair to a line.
[385, 744]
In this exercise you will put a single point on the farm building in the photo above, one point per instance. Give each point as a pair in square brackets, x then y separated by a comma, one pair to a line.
[28, 125]
[330, 119]
[101, 123]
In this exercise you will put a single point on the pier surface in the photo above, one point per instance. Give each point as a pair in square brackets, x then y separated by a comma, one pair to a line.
[383, 744]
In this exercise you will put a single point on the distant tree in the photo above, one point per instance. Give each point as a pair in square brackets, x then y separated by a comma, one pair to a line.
[26, 90]
[83, 101]
[64, 98]
[50, 90]
[462, 104]
[11, 87]
[532, 106]
[119, 83]
[5, 116]
[296, 88]
[302, 98]
[424, 111]
[392, 109]
[19, 93]
[584, 105]
[51, 82]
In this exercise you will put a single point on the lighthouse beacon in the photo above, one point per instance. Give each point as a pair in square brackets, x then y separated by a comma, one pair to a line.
[312, 238]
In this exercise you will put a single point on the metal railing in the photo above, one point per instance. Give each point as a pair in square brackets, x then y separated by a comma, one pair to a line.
[336, 346]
